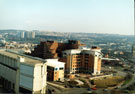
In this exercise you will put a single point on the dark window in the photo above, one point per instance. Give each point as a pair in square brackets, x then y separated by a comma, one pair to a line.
[61, 68]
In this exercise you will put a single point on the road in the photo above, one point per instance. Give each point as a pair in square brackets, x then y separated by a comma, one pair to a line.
[59, 90]
[130, 83]
[67, 91]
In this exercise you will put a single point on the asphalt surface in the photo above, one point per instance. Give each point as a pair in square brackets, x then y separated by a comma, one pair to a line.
[130, 83]
[67, 91]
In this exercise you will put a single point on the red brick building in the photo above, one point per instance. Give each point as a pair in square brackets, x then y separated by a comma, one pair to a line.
[53, 49]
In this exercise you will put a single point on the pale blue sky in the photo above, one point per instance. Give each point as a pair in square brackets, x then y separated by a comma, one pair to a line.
[94, 16]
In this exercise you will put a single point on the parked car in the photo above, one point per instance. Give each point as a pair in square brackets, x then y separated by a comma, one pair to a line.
[93, 88]
[89, 89]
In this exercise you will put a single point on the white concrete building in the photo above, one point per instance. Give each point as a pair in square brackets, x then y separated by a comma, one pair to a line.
[22, 34]
[30, 35]
[55, 70]
[33, 35]
[21, 73]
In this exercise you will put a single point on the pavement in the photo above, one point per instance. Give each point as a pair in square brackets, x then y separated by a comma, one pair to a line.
[56, 85]
[130, 83]
[57, 89]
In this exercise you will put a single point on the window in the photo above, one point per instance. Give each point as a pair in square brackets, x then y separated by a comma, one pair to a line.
[78, 62]
[61, 68]
[56, 68]
[50, 68]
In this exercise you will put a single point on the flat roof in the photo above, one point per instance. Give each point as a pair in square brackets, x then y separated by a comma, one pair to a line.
[27, 60]
[54, 63]
[72, 51]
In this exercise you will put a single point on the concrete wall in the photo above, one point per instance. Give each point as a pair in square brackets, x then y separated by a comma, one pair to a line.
[8, 73]
[16, 71]
[9, 61]
[39, 79]
[26, 76]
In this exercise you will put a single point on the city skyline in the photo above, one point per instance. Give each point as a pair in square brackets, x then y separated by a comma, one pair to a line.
[92, 16]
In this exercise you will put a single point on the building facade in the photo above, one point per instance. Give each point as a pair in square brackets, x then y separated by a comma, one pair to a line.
[76, 60]
[82, 60]
[29, 35]
[53, 49]
[22, 34]
[55, 70]
[32, 35]
[21, 73]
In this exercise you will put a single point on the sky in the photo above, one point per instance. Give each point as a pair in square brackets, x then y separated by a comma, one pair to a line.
[93, 16]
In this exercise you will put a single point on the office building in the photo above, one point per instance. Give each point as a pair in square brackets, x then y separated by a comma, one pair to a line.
[22, 34]
[82, 60]
[32, 35]
[29, 35]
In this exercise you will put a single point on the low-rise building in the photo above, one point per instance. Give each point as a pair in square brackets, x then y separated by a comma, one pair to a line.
[22, 73]
[55, 70]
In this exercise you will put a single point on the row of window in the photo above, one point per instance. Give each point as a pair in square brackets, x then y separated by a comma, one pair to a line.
[59, 68]
[76, 68]
[75, 56]
[76, 65]
[81, 68]
[51, 68]
[76, 59]
[8, 60]
[78, 62]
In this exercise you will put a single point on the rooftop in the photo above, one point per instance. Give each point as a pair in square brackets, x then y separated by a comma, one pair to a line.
[27, 59]
[54, 63]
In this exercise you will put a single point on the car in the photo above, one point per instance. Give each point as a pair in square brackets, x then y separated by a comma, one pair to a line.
[93, 88]
[52, 90]
[71, 86]
[89, 89]
[89, 92]
[105, 89]
[78, 86]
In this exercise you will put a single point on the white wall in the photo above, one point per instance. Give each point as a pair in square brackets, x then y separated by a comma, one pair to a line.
[26, 76]
[39, 81]
[26, 82]
[25, 69]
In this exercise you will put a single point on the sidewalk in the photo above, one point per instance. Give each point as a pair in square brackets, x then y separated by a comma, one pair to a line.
[55, 85]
